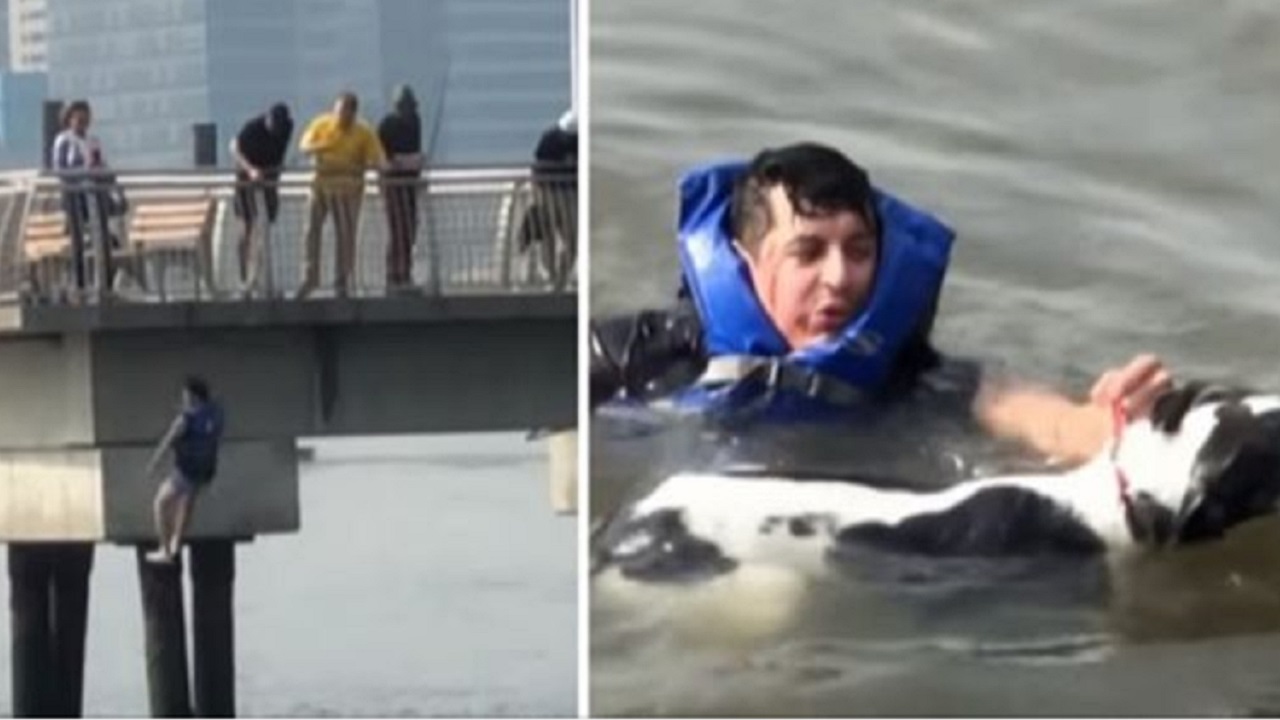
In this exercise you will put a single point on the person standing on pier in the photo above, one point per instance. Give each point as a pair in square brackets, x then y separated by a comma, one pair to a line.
[259, 150]
[551, 222]
[401, 135]
[87, 191]
[193, 438]
[343, 147]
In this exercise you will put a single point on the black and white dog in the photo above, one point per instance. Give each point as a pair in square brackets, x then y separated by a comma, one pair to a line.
[1206, 460]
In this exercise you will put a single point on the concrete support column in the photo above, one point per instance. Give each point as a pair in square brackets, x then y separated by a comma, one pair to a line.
[213, 571]
[73, 563]
[166, 643]
[562, 456]
[31, 633]
[48, 602]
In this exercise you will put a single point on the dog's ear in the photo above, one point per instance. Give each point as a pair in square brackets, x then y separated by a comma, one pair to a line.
[1171, 407]
[1236, 426]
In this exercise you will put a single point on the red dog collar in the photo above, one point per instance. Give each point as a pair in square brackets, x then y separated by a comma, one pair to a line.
[1119, 420]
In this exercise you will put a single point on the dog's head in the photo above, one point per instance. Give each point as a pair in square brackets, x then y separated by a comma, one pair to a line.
[1207, 460]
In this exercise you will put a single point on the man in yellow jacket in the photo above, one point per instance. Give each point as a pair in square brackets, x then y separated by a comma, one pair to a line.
[342, 147]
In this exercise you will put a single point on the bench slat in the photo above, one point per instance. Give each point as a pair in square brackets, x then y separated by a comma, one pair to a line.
[162, 209]
[39, 252]
[39, 234]
[196, 222]
[177, 235]
[44, 235]
[171, 224]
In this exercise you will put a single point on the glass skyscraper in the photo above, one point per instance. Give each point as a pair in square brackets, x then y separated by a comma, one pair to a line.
[490, 74]
[20, 129]
[26, 35]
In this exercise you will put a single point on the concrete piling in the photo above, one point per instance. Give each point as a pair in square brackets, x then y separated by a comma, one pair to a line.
[70, 570]
[166, 645]
[30, 633]
[213, 570]
[562, 456]
[49, 604]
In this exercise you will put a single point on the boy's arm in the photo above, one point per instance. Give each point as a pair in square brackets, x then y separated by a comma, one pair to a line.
[175, 430]
[1062, 428]
[628, 352]
[1047, 422]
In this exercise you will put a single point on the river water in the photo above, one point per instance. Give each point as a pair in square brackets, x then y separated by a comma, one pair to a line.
[430, 578]
[1109, 167]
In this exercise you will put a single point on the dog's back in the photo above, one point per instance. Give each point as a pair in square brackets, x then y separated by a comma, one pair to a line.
[1207, 459]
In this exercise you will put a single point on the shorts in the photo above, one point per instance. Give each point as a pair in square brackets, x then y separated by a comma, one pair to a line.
[184, 486]
[246, 202]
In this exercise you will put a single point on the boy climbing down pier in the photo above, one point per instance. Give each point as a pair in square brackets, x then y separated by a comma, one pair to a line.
[193, 439]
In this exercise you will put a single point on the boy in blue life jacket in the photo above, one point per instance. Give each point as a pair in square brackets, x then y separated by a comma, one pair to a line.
[807, 293]
[193, 439]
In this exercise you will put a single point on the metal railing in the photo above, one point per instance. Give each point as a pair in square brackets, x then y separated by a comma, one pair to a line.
[177, 236]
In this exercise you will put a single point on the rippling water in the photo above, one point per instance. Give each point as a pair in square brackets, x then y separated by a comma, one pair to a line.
[430, 578]
[1110, 169]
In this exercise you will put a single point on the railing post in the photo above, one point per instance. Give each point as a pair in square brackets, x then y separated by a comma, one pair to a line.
[433, 244]
[205, 265]
[14, 258]
[359, 242]
[98, 231]
[568, 204]
[510, 227]
[263, 225]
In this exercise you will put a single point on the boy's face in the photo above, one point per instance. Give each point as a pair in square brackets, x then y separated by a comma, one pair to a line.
[812, 272]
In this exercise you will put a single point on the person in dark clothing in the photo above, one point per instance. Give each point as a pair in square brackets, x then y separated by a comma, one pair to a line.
[401, 135]
[789, 262]
[553, 213]
[259, 150]
[557, 151]
[193, 438]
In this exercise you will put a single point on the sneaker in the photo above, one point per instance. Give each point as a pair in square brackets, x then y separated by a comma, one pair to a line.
[159, 557]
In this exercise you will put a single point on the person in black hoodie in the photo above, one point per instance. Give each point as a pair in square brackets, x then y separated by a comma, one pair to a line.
[553, 214]
[401, 135]
[259, 150]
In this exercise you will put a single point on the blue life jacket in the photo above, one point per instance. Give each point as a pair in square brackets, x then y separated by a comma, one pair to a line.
[751, 368]
[196, 449]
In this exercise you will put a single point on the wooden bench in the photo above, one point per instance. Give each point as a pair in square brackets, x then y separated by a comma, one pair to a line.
[46, 248]
[45, 235]
[174, 229]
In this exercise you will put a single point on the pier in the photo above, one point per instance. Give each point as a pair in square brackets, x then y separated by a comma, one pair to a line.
[484, 340]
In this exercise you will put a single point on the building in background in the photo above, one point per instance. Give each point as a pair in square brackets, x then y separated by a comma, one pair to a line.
[5, 61]
[21, 130]
[151, 69]
[337, 46]
[489, 74]
[27, 35]
[508, 78]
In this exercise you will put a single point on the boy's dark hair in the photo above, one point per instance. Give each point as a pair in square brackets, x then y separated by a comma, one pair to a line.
[349, 98]
[817, 180]
[72, 108]
[197, 386]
